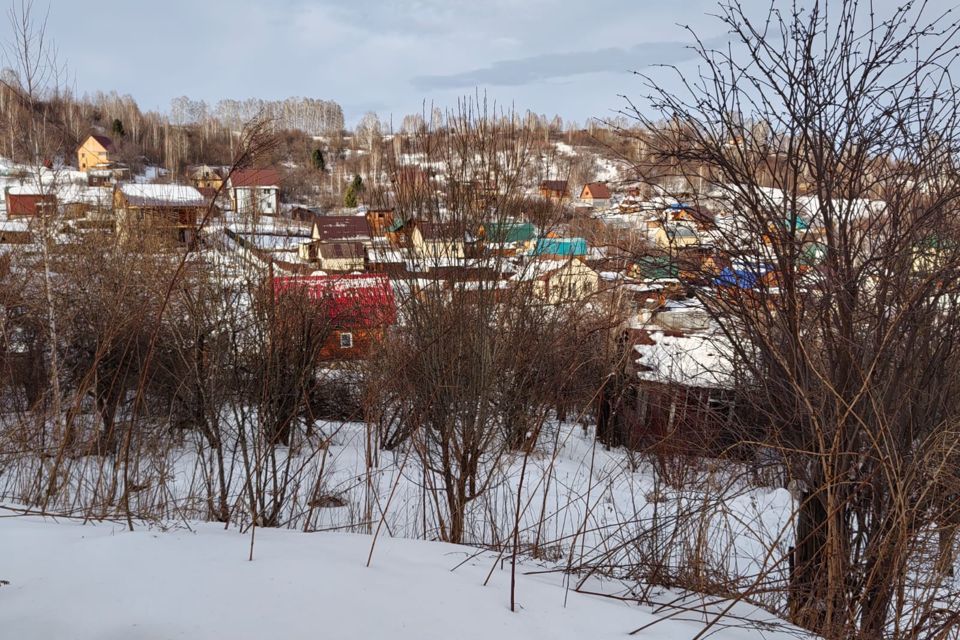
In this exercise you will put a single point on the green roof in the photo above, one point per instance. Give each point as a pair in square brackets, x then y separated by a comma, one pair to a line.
[657, 267]
[398, 223]
[509, 232]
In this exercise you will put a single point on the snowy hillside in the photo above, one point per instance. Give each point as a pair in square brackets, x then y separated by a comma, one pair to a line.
[67, 580]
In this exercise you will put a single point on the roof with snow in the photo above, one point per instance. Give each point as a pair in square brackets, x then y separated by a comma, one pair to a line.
[161, 195]
[696, 360]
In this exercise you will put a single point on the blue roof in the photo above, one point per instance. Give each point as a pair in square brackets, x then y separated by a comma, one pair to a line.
[742, 275]
[561, 247]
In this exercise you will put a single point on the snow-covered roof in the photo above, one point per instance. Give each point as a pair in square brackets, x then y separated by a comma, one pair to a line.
[162, 195]
[698, 360]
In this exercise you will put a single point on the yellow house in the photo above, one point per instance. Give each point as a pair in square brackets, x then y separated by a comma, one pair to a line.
[94, 153]
[559, 281]
[672, 236]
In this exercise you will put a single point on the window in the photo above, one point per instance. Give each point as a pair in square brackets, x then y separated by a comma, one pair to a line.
[346, 340]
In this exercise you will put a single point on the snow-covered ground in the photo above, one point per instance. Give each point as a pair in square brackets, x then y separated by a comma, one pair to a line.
[77, 582]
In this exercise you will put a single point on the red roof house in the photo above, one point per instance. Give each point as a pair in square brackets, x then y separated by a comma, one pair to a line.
[356, 307]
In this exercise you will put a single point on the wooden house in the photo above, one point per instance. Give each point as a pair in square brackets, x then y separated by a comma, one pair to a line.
[354, 310]
[379, 220]
[335, 229]
[95, 153]
[165, 214]
[428, 241]
[683, 400]
[255, 192]
[338, 256]
[553, 190]
[596, 194]
[15, 232]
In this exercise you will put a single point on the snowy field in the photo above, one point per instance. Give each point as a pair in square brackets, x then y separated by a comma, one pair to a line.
[80, 582]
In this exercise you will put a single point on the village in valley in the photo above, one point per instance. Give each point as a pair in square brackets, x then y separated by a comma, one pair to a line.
[611, 239]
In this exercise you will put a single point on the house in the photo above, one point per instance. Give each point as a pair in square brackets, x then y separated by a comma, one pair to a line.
[29, 205]
[302, 213]
[596, 194]
[379, 220]
[338, 256]
[255, 191]
[203, 176]
[107, 176]
[554, 190]
[670, 236]
[507, 238]
[335, 229]
[15, 232]
[558, 281]
[433, 241]
[355, 310]
[683, 399]
[560, 247]
[163, 213]
[95, 153]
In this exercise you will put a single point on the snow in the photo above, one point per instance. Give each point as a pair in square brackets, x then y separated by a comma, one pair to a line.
[86, 582]
[160, 194]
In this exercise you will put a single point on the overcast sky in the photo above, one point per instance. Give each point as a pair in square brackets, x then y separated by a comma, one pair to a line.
[551, 56]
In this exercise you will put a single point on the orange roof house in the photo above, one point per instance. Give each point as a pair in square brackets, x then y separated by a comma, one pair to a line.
[595, 192]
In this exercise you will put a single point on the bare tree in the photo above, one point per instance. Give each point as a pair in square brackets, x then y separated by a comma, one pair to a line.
[831, 137]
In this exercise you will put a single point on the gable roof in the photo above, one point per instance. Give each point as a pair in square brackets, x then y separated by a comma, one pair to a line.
[355, 300]
[263, 177]
[161, 195]
[554, 185]
[103, 141]
[329, 228]
[448, 231]
[598, 190]
[561, 247]
[509, 232]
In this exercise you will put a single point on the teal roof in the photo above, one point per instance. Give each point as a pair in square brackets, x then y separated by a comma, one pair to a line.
[797, 222]
[561, 247]
[508, 232]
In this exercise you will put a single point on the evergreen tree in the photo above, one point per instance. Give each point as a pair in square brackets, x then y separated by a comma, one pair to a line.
[350, 196]
[117, 128]
[319, 162]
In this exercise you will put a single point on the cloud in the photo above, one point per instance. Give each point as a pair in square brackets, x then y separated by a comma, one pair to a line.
[551, 66]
